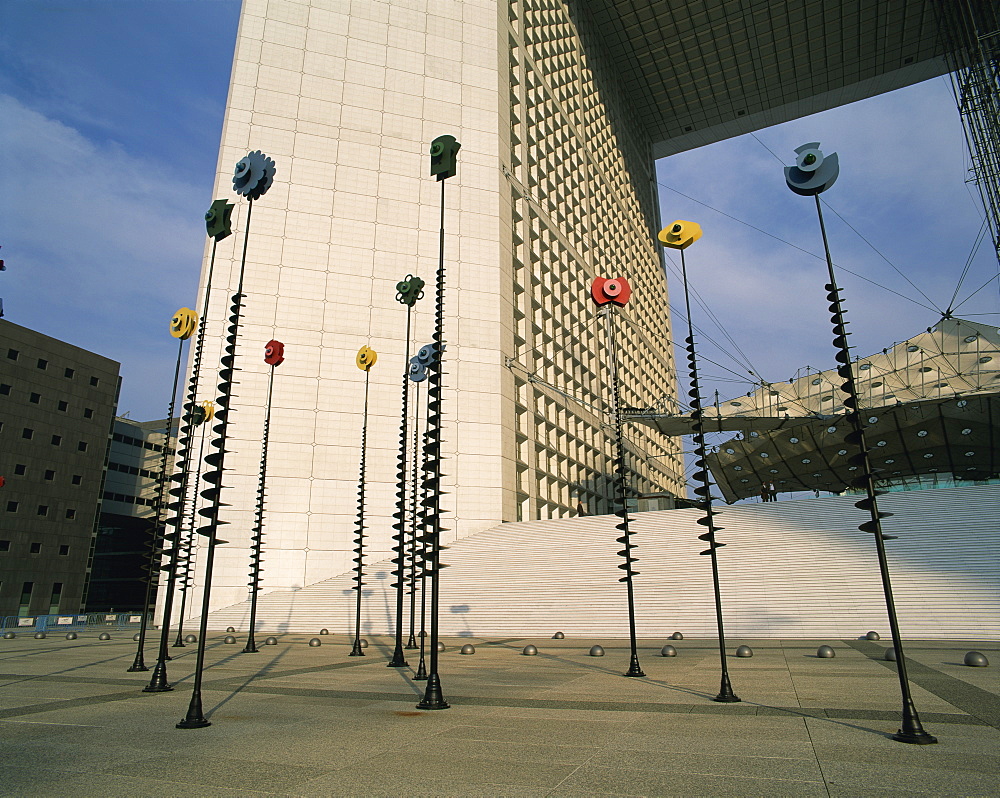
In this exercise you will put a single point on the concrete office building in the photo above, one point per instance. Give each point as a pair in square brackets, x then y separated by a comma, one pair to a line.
[57, 402]
[132, 490]
[561, 107]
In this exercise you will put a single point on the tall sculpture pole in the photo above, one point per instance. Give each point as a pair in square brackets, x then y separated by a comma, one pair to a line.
[606, 295]
[252, 177]
[411, 643]
[274, 355]
[408, 291]
[182, 325]
[218, 224]
[444, 164]
[813, 174]
[200, 414]
[365, 360]
[680, 235]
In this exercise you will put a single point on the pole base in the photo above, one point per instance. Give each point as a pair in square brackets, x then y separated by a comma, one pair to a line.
[411, 644]
[137, 669]
[633, 668]
[433, 699]
[356, 651]
[251, 649]
[179, 644]
[157, 688]
[914, 738]
[421, 674]
[398, 660]
[193, 723]
[159, 683]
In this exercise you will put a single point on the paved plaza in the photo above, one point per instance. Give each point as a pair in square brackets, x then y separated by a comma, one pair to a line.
[295, 720]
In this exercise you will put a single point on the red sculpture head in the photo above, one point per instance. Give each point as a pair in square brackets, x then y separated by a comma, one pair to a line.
[611, 289]
[274, 353]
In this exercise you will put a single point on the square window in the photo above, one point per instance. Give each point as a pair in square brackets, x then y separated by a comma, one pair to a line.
[27, 433]
[12, 506]
[64, 550]
[36, 548]
[57, 440]
[88, 412]
[43, 509]
[50, 474]
[4, 389]
[82, 446]
[43, 363]
[35, 398]
[77, 479]
[63, 405]
[4, 545]
[12, 354]
[19, 469]
[94, 381]
[70, 515]
[69, 373]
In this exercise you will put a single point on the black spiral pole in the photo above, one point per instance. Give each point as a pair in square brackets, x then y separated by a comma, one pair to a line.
[704, 491]
[366, 359]
[253, 176]
[185, 575]
[911, 730]
[256, 540]
[408, 291]
[159, 536]
[444, 152]
[411, 643]
[622, 488]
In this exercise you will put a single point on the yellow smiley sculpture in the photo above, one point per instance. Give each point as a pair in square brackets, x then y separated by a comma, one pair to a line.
[366, 358]
[680, 234]
[184, 323]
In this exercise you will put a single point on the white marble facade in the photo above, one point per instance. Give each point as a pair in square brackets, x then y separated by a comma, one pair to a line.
[346, 96]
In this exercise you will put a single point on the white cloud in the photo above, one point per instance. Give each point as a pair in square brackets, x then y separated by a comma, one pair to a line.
[101, 247]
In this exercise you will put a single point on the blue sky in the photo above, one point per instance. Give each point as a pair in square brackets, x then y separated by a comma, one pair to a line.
[110, 115]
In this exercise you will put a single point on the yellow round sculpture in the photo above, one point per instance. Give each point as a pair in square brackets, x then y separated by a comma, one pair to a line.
[366, 358]
[184, 323]
[209, 408]
[680, 234]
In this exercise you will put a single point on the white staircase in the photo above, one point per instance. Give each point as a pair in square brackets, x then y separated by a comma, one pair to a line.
[792, 569]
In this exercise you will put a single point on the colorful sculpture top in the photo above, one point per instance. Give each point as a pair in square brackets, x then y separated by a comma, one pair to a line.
[366, 358]
[184, 323]
[254, 175]
[813, 173]
[444, 157]
[425, 357]
[680, 234]
[274, 353]
[201, 413]
[615, 290]
[218, 219]
[409, 290]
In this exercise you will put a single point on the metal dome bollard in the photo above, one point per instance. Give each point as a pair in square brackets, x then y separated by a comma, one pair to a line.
[363, 643]
[230, 629]
[190, 639]
[135, 637]
[71, 635]
[668, 651]
[41, 636]
[9, 635]
[468, 648]
[229, 639]
[676, 636]
[596, 651]
[890, 654]
[102, 636]
[976, 659]
[558, 636]
[825, 652]
[873, 636]
[324, 631]
[744, 651]
[529, 651]
[315, 642]
[440, 646]
[271, 641]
